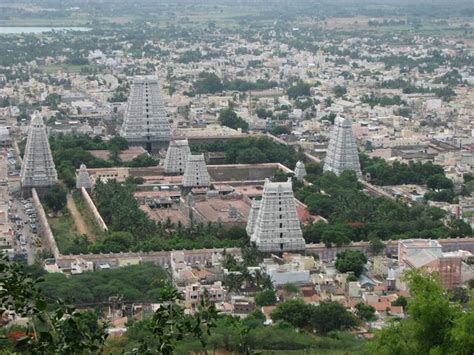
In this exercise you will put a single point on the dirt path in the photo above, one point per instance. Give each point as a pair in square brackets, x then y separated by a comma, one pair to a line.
[79, 222]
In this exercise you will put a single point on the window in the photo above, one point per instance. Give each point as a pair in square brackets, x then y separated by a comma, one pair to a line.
[281, 225]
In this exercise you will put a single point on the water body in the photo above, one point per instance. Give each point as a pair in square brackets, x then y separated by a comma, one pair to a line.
[37, 29]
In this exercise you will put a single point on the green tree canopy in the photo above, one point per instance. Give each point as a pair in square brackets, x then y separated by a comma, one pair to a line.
[265, 298]
[434, 325]
[300, 89]
[351, 261]
[55, 199]
[227, 117]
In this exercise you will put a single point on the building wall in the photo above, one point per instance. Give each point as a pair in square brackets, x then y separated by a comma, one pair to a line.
[93, 209]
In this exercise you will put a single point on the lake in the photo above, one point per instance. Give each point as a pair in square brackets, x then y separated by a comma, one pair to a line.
[37, 29]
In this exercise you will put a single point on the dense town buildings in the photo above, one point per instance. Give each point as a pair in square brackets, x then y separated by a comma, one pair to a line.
[185, 119]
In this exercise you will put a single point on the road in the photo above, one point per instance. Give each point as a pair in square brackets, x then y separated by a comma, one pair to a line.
[18, 216]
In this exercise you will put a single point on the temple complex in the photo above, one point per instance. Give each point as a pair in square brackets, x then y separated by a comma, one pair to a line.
[342, 150]
[145, 120]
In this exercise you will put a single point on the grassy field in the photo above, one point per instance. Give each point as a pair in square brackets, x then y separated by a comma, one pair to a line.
[67, 68]
[64, 231]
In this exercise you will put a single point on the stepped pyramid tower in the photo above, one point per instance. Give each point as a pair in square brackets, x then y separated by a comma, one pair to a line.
[177, 157]
[145, 121]
[83, 179]
[38, 168]
[300, 171]
[342, 150]
[277, 228]
[196, 174]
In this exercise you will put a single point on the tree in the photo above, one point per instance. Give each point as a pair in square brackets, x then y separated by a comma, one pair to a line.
[339, 91]
[401, 301]
[208, 83]
[365, 312]
[290, 288]
[351, 261]
[53, 100]
[331, 316]
[295, 312]
[142, 160]
[56, 199]
[331, 237]
[265, 298]
[280, 130]
[434, 325]
[439, 181]
[376, 246]
[227, 117]
[300, 89]
[64, 330]
[170, 323]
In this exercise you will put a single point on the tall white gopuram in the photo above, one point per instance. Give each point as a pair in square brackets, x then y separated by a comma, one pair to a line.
[83, 179]
[145, 121]
[277, 228]
[196, 174]
[177, 157]
[38, 168]
[300, 171]
[342, 150]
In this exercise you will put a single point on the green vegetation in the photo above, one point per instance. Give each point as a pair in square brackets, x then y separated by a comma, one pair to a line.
[137, 283]
[86, 213]
[252, 150]
[249, 335]
[339, 91]
[325, 318]
[62, 329]
[298, 90]
[130, 229]
[434, 325]
[55, 199]
[265, 298]
[351, 261]
[354, 216]
[229, 118]
[66, 235]
[373, 100]
[208, 83]
[365, 312]
[383, 173]
[69, 151]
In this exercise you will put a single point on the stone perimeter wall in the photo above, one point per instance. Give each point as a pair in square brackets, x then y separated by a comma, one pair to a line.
[93, 209]
[202, 255]
[45, 229]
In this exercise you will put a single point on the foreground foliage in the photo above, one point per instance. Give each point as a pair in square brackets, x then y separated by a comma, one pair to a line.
[434, 325]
